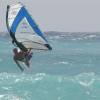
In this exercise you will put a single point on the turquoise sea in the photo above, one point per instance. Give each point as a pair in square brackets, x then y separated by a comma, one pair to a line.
[71, 71]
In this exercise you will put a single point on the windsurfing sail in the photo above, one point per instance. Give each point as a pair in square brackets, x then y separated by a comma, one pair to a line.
[23, 30]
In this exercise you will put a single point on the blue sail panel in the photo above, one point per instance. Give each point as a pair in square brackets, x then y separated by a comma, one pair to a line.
[23, 13]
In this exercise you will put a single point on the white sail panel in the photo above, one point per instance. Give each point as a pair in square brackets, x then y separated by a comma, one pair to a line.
[26, 35]
[13, 11]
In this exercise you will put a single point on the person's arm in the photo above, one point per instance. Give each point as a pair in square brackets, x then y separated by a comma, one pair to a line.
[18, 65]
[26, 53]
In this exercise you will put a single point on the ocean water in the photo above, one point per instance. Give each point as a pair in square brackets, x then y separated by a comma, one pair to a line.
[71, 71]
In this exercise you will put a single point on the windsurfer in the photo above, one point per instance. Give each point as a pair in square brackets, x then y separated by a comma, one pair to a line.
[17, 20]
[22, 56]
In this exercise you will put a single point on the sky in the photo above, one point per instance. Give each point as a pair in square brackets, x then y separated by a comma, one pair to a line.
[59, 15]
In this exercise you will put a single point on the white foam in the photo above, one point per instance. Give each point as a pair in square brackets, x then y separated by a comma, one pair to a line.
[7, 88]
[17, 80]
[10, 97]
[39, 76]
[88, 92]
[86, 79]
[62, 62]
[86, 83]
[1, 96]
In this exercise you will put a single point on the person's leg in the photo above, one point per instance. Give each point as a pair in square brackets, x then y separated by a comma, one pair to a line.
[16, 61]
[27, 62]
[27, 59]
[29, 56]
